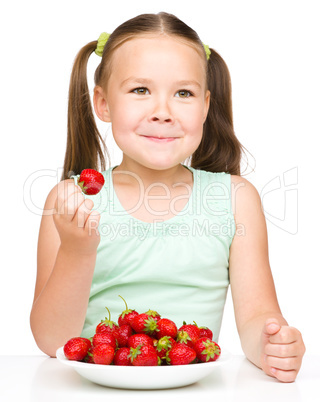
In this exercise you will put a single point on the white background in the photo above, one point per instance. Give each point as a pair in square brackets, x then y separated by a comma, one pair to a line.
[272, 51]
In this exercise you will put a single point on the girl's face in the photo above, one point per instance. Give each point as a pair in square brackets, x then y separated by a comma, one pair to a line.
[156, 100]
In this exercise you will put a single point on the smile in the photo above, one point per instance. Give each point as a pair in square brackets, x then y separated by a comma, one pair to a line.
[159, 139]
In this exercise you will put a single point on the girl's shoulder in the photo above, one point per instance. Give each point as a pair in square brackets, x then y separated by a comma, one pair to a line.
[245, 198]
[240, 183]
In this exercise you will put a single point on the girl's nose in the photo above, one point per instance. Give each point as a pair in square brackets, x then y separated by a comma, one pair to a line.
[162, 113]
[161, 118]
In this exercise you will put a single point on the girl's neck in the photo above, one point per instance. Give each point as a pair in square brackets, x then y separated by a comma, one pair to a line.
[137, 172]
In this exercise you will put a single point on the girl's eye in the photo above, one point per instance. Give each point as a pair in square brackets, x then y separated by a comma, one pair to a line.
[140, 91]
[181, 94]
[184, 93]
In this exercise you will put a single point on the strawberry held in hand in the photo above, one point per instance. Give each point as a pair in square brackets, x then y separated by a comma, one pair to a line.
[90, 181]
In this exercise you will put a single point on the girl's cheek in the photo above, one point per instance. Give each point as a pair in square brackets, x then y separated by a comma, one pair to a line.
[192, 122]
[133, 110]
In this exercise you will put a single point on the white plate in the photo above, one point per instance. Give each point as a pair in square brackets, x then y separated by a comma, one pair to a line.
[147, 377]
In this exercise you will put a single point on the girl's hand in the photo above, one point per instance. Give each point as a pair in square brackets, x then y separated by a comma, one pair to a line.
[75, 221]
[282, 349]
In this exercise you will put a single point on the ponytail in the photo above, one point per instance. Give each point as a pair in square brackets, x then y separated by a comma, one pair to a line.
[219, 149]
[83, 138]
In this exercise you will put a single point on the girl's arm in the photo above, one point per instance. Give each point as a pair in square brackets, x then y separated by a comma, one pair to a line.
[65, 263]
[265, 336]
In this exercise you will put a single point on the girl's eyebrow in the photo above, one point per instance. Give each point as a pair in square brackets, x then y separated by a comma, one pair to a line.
[146, 81]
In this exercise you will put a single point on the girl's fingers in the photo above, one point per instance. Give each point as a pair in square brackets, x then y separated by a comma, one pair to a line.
[82, 213]
[92, 223]
[71, 205]
[283, 361]
[285, 335]
[283, 375]
[280, 363]
[68, 200]
[281, 350]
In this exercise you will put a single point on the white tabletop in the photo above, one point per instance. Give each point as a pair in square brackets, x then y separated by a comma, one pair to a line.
[40, 378]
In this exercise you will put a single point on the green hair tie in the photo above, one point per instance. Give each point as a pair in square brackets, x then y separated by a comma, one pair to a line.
[207, 50]
[103, 38]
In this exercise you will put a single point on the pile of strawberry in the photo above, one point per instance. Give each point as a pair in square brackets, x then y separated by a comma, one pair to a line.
[144, 340]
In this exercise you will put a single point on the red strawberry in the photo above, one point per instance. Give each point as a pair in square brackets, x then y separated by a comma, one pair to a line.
[76, 348]
[122, 357]
[207, 350]
[139, 339]
[103, 354]
[127, 315]
[124, 331]
[89, 357]
[163, 345]
[143, 323]
[205, 332]
[180, 354]
[145, 355]
[153, 314]
[192, 330]
[104, 337]
[107, 325]
[184, 337]
[91, 181]
[166, 327]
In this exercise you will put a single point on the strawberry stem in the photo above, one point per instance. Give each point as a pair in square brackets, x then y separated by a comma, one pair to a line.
[124, 302]
[109, 313]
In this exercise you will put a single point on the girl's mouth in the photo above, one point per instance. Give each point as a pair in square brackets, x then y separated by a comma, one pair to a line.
[159, 139]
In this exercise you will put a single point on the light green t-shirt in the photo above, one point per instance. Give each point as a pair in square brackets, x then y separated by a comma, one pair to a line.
[179, 267]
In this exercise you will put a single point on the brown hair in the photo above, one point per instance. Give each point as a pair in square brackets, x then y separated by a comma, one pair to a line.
[219, 150]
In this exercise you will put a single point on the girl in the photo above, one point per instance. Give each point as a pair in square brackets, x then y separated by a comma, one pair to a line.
[162, 234]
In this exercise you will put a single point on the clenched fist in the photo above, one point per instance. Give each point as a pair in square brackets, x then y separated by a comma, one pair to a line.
[282, 350]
